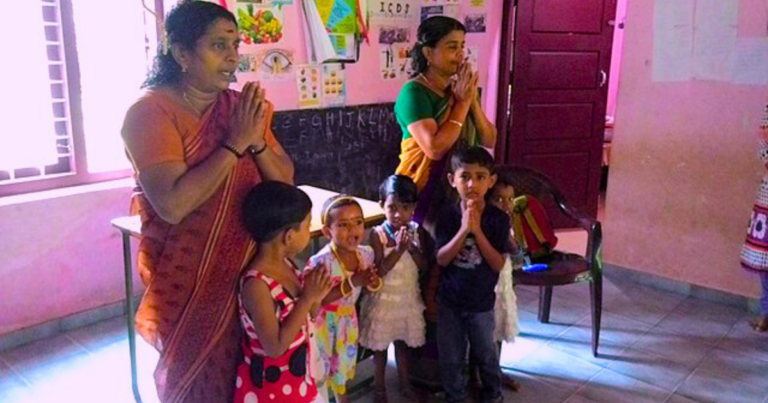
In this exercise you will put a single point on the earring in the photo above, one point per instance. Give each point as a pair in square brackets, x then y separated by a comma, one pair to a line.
[184, 69]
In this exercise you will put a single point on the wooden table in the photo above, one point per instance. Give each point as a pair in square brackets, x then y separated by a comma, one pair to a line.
[131, 227]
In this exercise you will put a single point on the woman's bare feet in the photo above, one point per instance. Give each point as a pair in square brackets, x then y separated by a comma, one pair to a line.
[760, 323]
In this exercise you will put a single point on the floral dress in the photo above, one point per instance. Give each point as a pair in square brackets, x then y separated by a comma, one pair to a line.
[335, 329]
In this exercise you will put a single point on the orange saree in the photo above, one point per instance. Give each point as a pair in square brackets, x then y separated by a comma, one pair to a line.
[191, 269]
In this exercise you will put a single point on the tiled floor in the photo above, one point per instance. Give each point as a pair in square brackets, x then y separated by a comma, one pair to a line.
[655, 347]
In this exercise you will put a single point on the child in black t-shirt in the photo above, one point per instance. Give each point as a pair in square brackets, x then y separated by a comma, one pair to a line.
[473, 238]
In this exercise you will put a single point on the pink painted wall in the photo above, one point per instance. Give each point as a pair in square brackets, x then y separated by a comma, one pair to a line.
[59, 253]
[684, 169]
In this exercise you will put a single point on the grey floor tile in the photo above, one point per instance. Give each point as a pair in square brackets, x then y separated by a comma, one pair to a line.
[578, 343]
[557, 368]
[675, 398]
[643, 304]
[523, 346]
[532, 328]
[38, 360]
[679, 348]
[742, 338]
[13, 388]
[651, 368]
[740, 367]
[705, 387]
[534, 389]
[617, 328]
[578, 399]
[611, 387]
[100, 335]
[700, 320]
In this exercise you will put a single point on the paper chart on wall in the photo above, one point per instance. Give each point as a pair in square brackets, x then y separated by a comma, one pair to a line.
[340, 20]
[750, 61]
[308, 82]
[475, 23]
[453, 11]
[389, 35]
[672, 40]
[334, 85]
[714, 38]
[400, 11]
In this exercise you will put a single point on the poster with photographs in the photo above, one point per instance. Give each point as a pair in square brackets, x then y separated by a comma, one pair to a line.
[475, 22]
[395, 62]
[430, 11]
[390, 35]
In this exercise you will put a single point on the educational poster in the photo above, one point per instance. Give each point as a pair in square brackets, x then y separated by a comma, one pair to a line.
[340, 20]
[275, 64]
[750, 61]
[259, 25]
[473, 57]
[390, 35]
[453, 11]
[672, 40]
[389, 11]
[429, 11]
[248, 63]
[475, 23]
[402, 53]
[387, 66]
[308, 82]
[334, 85]
[477, 3]
[714, 38]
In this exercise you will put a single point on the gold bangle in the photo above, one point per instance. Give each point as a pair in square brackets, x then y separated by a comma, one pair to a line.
[456, 122]
[378, 287]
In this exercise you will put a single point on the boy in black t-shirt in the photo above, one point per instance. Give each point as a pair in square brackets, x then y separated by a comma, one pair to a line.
[472, 238]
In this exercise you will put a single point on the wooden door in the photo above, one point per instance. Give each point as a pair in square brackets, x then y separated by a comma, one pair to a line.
[559, 88]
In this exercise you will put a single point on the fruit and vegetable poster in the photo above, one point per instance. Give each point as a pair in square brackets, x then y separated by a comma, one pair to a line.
[259, 24]
[334, 85]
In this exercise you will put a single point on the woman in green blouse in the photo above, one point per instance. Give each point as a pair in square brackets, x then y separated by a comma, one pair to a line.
[437, 109]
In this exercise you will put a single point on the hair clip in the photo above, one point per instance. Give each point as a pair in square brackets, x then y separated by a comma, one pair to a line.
[164, 41]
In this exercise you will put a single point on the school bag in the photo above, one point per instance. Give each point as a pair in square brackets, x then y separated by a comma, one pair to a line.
[532, 229]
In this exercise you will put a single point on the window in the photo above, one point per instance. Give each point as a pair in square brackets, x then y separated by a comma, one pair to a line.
[70, 74]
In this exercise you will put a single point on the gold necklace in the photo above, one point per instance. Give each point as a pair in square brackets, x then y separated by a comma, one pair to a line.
[191, 105]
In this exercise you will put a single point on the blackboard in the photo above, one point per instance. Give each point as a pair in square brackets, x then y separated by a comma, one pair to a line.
[349, 149]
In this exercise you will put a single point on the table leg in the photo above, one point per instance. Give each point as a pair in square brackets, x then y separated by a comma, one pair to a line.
[129, 313]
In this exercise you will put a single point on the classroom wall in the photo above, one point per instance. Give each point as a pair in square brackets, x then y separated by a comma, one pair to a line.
[684, 169]
[59, 255]
[364, 84]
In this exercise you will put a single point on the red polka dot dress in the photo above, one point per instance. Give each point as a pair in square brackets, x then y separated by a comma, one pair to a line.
[264, 379]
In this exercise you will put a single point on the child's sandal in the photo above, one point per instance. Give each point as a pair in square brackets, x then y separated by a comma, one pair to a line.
[759, 324]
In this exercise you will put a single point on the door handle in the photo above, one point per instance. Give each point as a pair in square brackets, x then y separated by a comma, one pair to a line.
[603, 77]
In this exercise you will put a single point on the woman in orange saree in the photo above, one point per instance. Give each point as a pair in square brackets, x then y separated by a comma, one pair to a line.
[197, 148]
